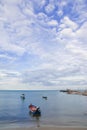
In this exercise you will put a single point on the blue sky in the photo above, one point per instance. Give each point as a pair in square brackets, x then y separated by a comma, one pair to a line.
[43, 44]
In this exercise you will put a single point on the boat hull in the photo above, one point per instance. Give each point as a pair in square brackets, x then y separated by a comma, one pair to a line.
[34, 111]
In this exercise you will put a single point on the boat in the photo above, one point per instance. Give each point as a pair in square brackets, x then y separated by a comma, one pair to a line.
[34, 110]
[22, 96]
[44, 97]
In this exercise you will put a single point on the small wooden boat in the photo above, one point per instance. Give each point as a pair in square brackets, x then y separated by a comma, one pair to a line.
[34, 110]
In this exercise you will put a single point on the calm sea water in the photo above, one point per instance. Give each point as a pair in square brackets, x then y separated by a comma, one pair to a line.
[60, 109]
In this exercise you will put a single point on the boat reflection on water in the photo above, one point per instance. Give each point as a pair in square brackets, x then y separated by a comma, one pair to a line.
[35, 113]
[37, 118]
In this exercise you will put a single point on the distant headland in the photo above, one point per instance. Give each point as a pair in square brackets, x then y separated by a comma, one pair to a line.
[69, 91]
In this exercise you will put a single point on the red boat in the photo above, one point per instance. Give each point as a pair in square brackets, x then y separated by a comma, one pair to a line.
[34, 110]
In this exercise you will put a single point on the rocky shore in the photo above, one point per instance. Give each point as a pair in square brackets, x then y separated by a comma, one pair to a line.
[69, 91]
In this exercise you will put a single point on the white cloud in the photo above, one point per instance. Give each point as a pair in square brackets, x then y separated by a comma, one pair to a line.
[67, 33]
[53, 23]
[74, 78]
[40, 3]
[69, 23]
[5, 56]
[81, 33]
[8, 12]
[27, 9]
[60, 12]
[78, 50]
[49, 8]
[81, 10]
[10, 80]
[7, 46]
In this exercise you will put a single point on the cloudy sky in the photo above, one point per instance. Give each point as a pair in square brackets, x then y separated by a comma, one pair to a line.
[43, 44]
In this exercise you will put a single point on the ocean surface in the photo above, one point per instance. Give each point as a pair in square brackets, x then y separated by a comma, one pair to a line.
[60, 109]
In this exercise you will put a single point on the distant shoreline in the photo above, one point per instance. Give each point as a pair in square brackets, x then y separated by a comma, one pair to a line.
[69, 91]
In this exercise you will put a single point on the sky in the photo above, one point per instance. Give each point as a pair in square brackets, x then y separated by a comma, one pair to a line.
[43, 44]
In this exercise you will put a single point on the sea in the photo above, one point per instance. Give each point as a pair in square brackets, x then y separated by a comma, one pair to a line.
[59, 109]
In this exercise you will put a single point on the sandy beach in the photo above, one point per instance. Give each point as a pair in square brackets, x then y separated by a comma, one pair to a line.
[46, 128]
